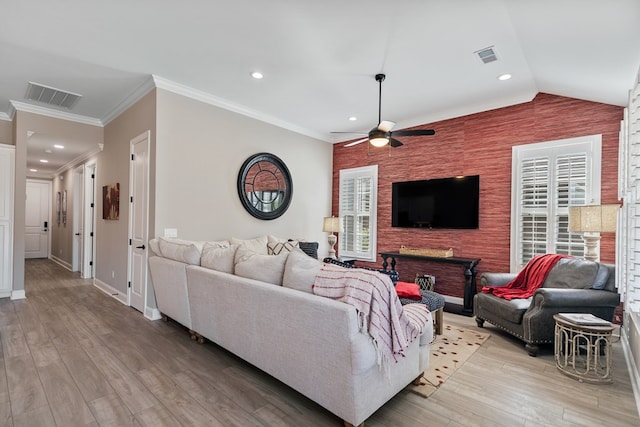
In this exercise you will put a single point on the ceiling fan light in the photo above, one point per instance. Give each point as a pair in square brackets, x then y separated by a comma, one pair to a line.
[379, 141]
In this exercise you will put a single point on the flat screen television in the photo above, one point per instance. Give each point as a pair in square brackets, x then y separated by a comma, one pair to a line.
[436, 203]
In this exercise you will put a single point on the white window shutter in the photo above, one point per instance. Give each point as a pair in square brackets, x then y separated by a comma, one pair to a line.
[548, 177]
[358, 208]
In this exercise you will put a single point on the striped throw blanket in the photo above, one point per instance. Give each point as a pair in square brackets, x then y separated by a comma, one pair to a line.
[380, 313]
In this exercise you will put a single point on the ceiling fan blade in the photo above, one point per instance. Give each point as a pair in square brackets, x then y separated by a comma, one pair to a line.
[416, 132]
[394, 142]
[353, 133]
[351, 144]
[386, 126]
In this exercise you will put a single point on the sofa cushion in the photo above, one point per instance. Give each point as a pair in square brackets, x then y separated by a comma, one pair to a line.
[300, 271]
[572, 273]
[253, 265]
[154, 246]
[510, 310]
[185, 251]
[258, 245]
[219, 256]
[602, 277]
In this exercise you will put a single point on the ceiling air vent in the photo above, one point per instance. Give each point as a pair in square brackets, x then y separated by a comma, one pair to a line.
[51, 96]
[487, 55]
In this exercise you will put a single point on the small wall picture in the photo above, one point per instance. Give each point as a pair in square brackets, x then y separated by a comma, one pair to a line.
[58, 205]
[111, 201]
[64, 207]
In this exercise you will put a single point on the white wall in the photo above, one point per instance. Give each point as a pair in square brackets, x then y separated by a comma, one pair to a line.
[199, 151]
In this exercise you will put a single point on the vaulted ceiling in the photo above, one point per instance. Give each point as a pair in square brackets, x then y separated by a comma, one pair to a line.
[319, 58]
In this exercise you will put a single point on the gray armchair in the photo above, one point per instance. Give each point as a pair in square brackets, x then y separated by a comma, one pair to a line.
[572, 286]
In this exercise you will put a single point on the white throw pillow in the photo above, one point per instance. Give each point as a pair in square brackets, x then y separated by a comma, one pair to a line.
[259, 244]
[266, 268]
[185, 251]
[300, 271]
[219, 256]
[280, 247]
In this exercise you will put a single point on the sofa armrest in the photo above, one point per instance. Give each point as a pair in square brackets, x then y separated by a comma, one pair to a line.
[552, 297]
[496, 279]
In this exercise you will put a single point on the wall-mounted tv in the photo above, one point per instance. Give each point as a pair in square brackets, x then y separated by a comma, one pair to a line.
[436, 203]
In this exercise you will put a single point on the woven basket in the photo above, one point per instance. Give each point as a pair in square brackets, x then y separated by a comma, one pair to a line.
[440, 253]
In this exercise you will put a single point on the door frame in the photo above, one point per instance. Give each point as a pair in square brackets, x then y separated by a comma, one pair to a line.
[77, 250]
[89, 218]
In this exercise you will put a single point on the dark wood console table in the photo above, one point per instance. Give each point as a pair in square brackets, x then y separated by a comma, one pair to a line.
[469, 265]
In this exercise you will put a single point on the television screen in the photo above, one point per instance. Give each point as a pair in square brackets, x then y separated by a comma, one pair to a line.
[436, 203]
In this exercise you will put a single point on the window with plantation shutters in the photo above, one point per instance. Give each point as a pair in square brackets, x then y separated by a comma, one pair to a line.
[548, 177]
[358, 206]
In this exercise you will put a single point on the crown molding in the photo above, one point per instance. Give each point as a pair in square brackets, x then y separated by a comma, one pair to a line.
[207, 98]
[56, 114]
[78, 160]
[131, 99]
[9, 115]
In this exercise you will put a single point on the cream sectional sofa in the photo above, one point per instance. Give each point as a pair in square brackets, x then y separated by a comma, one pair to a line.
[260, 307]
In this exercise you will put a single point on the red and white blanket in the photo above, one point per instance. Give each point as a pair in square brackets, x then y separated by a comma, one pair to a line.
[381, 315]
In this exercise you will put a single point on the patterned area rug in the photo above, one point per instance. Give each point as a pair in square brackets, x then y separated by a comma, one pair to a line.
[449, 351]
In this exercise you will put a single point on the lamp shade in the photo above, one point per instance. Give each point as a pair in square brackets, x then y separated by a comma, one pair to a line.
[593, 218]
[332, 224]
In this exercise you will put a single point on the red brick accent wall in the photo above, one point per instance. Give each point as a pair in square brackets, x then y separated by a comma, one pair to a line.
[480, 144]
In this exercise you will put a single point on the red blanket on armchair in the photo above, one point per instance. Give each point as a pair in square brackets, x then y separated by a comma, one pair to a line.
[528, 280]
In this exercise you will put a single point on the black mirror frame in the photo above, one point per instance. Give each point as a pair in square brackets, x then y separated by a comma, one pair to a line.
[288, 191]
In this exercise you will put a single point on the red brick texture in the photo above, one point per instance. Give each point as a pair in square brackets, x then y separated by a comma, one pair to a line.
[479, 144]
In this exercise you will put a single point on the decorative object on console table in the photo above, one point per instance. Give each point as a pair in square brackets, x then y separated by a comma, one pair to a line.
[332, 225]
[591, 220]
[442, 253]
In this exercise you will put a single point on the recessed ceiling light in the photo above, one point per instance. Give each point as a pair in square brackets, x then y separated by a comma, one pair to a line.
[505, 76]
[58, 146]
[48, 151]
[257, 75]
[353, 118]
[44, 161]
[33, 170]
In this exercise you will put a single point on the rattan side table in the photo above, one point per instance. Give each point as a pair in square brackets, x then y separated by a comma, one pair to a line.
[583, 352]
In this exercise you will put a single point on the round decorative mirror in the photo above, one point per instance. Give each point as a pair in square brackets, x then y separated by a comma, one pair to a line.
[264, 186]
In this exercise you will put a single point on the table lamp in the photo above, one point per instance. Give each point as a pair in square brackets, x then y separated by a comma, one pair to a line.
[332, 225]
[591, 220]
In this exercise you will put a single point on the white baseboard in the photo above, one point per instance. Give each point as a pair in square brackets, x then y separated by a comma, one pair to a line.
[634, 372]
[18, 294]
[152, 313]
[453, 300]
[60, 262]
[110, 290]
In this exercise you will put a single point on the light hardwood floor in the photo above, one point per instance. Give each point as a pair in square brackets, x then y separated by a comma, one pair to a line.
[71, 355]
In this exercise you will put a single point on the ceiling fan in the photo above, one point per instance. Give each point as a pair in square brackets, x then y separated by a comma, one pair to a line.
[382, 134]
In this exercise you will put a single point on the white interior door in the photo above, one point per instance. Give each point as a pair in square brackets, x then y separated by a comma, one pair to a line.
[37, 219]
[138, 220]
[78, 220]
